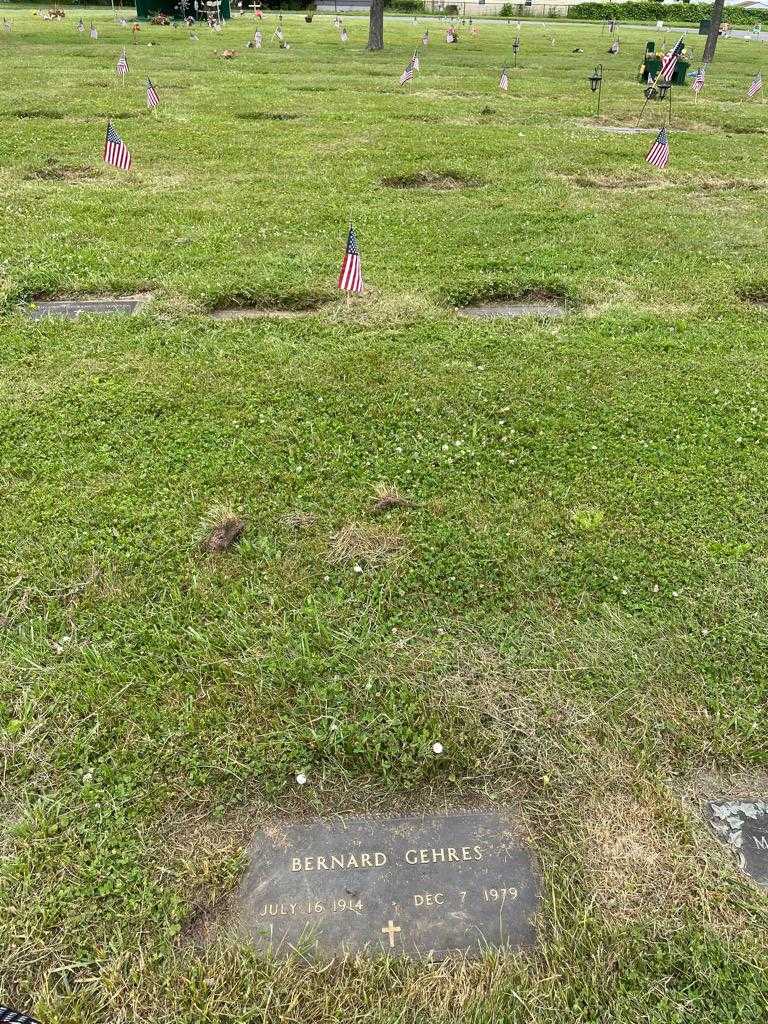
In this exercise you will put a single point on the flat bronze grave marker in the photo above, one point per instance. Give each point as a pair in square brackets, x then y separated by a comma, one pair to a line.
[71, 309]
[419, 887]
[743, 826]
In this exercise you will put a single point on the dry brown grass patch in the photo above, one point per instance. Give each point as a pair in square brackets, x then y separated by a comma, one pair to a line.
[299, 520]
[713, 184]
[365, 545]
[52, 171]
[617, 182]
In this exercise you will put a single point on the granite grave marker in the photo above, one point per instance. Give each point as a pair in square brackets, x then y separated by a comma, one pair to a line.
[419, 886]
[71, 309]
[743, 826]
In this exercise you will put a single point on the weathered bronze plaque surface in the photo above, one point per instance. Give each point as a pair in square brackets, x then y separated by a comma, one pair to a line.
[419, 886]
[743, 825]
[70, 309]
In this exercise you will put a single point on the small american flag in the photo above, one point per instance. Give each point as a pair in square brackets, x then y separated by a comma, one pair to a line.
[756, 85]
[9, 1016]
[658, 154]
[698, 82]
[415, 62]
[351, 276]
[407, 75]
[93, 32]
[504, 81]
[669, 63]
[122, 65]
[344, 35]
[153, 100]
[115, 152]
[425, 39]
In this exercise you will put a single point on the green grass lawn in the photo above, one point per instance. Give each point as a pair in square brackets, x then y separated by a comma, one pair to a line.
[573, 602]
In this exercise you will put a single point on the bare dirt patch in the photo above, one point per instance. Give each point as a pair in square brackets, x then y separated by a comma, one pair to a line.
[224, 534]
[387, 497]
[437, 180]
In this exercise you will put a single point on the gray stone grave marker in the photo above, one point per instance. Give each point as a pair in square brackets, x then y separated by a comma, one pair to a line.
[743, 826]
[419, 887]
[511, 310]
[71, 309]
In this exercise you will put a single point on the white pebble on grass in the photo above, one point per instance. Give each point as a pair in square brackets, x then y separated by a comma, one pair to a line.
[301, 778]
[437, 748]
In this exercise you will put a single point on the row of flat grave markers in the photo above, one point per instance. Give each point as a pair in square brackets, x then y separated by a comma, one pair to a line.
[422, 886]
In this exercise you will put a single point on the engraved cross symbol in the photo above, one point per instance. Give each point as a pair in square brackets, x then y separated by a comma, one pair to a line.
[391, 930]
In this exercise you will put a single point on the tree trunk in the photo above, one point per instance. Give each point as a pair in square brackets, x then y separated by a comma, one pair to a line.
[714, 29]
[376, 25]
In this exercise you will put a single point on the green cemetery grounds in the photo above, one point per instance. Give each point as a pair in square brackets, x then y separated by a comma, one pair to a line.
[542, 543]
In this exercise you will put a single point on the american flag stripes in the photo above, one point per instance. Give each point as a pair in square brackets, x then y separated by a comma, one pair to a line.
[658, 154]
[9, 1016]
[756, 85]
[415, 62]
[351, 276]
[93, 32]
[425, 39]
[504, 81]
[122, 65]
[344, 35]
[407, 75]
[669, 63]
[698, 82]
[153, 100]
[115, 151]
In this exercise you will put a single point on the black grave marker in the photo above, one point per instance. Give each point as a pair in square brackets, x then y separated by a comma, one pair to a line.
[420, 887]
[743, 825]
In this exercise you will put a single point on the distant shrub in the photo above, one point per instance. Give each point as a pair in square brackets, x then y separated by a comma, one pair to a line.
[644, 11]
[451, 9]
[406, 6]
[507, 11]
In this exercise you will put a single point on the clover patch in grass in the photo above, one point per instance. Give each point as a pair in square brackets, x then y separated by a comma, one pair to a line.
[437, 180]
